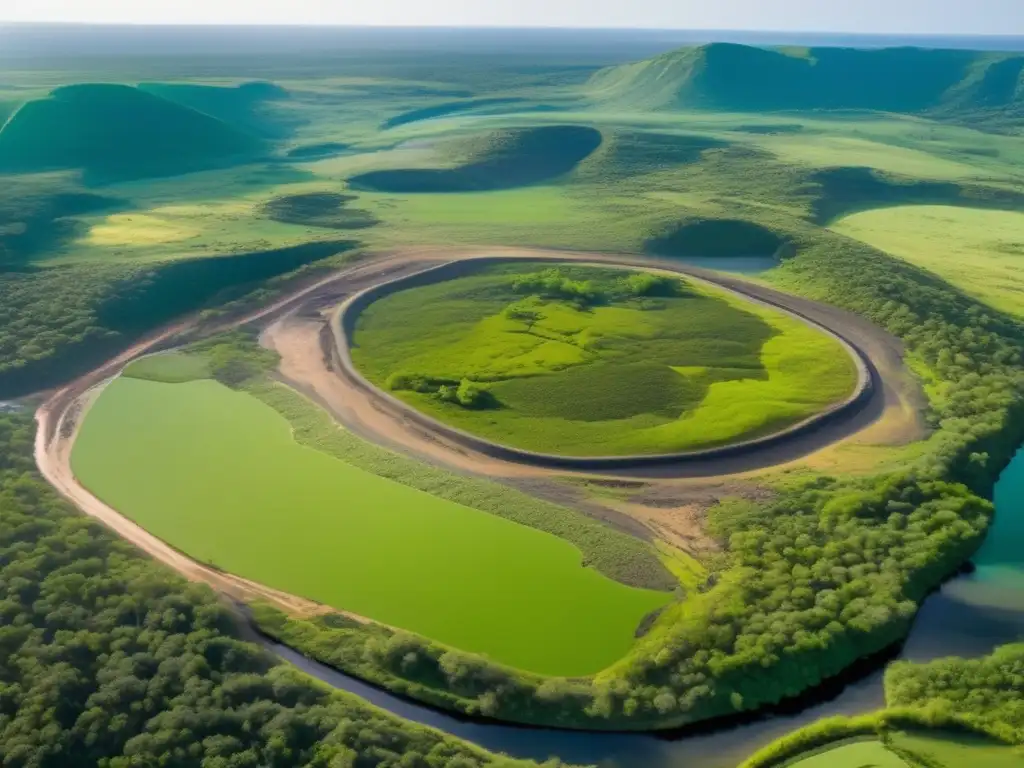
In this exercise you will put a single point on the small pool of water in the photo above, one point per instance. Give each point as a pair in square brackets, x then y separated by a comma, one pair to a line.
[738, 265]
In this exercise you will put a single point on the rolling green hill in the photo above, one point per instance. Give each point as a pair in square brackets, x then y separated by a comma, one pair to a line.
[504, 159]
[740, 77]
[248, 107]
[116, 132]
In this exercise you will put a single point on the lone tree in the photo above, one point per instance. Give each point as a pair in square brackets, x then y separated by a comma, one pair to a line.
[523, 314]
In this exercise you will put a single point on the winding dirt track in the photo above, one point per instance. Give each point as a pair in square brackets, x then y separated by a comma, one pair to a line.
[298, 328]
[885, 410]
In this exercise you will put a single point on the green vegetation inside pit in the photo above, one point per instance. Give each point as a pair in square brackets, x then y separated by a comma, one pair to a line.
[116, 132]
[715, 238]
[237, 360]
[631, 153]
[596, 361]
[617, 555]
[844, 191]
[504, 159]
[217, 474]
[980, 251]
[319, 209]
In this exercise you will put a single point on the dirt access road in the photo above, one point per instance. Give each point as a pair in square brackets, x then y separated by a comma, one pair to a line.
[885, 409]
[297, 327]
[59, 417]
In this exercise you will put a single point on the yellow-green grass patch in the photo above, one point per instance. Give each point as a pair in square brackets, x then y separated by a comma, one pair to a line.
[832, 151]
[217, 474]
[979, 251]
[860, 754]
[953, 750]
[626, 375]
[193, 230]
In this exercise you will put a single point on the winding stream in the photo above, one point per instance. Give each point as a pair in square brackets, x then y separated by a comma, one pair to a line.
[968, 617]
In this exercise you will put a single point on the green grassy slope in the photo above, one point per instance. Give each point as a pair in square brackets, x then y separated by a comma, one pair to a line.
[503, 159]
[978, 250]
[249, 106]
[447, 108]
[56, 322]
[744, 78]
[117, 132]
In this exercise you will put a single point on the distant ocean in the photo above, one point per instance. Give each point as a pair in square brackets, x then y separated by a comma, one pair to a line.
[49, 41]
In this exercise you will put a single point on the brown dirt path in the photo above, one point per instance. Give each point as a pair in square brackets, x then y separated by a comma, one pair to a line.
[295, 327]
[891, 417]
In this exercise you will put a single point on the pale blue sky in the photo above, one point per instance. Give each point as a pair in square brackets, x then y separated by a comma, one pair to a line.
[899, 16]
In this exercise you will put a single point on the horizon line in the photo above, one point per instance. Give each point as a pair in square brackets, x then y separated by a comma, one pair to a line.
[511, 27]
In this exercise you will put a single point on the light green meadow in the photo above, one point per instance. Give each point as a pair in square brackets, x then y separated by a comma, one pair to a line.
[978, 250]
[216, 474]
[620, 376]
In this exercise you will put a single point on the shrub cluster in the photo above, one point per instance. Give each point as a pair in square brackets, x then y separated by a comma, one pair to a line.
[464, 393]
[553, 284]
[986, 692]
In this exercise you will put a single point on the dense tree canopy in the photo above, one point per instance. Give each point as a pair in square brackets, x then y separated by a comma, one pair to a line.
[988, 691]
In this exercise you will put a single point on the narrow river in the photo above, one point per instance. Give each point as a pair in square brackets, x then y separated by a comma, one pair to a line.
[968, 617]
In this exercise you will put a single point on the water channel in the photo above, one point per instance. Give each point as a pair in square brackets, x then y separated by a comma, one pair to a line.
[968, 617]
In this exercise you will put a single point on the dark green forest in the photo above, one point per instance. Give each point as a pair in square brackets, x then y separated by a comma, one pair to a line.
[59, 321]
[109, 660]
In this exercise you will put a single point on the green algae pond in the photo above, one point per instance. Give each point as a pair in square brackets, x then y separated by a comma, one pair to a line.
[217, 474]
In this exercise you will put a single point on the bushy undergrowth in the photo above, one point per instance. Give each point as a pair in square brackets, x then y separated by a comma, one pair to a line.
[985, 692]
[56, 322]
